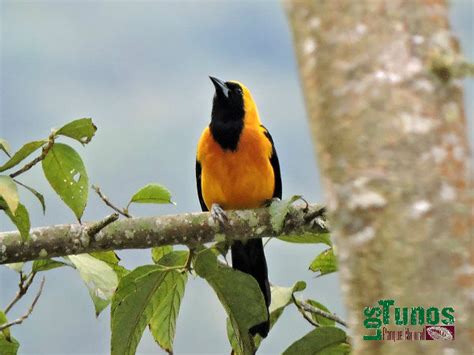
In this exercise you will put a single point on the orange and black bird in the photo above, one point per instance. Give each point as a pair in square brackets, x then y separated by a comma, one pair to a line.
[237, 168]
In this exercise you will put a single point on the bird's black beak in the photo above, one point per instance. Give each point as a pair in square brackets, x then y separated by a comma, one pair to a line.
[221, 87]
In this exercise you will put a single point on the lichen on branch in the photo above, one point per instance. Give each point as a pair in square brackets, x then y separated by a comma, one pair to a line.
[189, 229]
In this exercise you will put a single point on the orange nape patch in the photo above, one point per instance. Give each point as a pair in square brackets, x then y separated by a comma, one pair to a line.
[236, 179]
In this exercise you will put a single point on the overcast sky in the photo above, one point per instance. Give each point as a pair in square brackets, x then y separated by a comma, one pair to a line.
[140, 70]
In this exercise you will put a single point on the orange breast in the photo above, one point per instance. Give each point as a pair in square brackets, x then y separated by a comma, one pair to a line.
[240, 179]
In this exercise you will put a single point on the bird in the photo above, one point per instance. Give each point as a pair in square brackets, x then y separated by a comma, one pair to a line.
[237, 167]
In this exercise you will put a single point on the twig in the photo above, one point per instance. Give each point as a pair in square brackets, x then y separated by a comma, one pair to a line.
[26, 315]
[225, 259]
[308, 308]
[104, 198]
[44, 152]
[267, 241]
[306, 203]
[98, 226]
[303, 312]
[23, 285]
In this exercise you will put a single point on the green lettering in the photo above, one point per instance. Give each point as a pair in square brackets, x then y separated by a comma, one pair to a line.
[447, 313]
[399, 321]
[432, 315]
[372, 321]
[421, 315]
[386, 309]
[377, 336]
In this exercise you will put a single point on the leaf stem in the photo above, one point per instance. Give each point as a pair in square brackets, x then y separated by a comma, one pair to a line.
[32, 163]
[187, 266]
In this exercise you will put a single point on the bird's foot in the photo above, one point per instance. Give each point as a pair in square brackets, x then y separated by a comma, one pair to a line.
[218, 214]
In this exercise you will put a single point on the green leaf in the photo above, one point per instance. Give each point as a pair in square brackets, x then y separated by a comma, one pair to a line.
[238, 292]
[5, 146]
[21, 220]
[158, 252]
[139, 295]
[9, 192]
[233, 341]
[221, 248]
[81, 130]
[317, 318]
[281, 297]
[39, 196]
[176, 258]
[152, 193]
[111, 258]
[324, 263]
[163, 323]
[8, 346]
[318, 341]
[99, 278]
[46, 264]
[16, 266]
[279, 210]
[206, 263]
[66, 174]
[337, 349]
[21, 154]
[308, 238]
[6, 331]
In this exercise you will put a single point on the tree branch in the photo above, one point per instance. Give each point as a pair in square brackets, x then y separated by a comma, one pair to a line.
[189, 229]
[303, 312]
[27, 314]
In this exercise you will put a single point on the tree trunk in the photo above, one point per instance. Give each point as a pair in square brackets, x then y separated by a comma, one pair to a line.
[385, 107]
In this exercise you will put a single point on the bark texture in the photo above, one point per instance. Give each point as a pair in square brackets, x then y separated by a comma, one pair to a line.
[190, 229]
[386, 112]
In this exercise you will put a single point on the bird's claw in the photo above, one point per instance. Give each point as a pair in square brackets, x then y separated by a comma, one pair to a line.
[218, 215]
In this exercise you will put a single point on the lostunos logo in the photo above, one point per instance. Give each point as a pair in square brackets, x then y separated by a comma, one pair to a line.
[436, 323]
[445, 332]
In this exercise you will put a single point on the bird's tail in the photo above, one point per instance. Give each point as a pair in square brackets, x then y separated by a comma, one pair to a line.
[249, 257]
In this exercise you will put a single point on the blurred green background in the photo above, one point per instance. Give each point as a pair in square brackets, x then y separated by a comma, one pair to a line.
[140, 70]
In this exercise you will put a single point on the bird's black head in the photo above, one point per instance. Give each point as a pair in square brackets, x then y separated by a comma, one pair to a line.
[227, 119]
[228, 102]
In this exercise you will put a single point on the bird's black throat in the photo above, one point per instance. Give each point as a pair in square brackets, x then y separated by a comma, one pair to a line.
[227, 133]
[227, 120]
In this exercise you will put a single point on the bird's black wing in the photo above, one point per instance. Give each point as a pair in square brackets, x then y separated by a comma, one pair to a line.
[277, 191]
[199, 187]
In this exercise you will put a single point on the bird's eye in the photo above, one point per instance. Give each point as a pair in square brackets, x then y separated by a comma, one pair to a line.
[239, 90]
